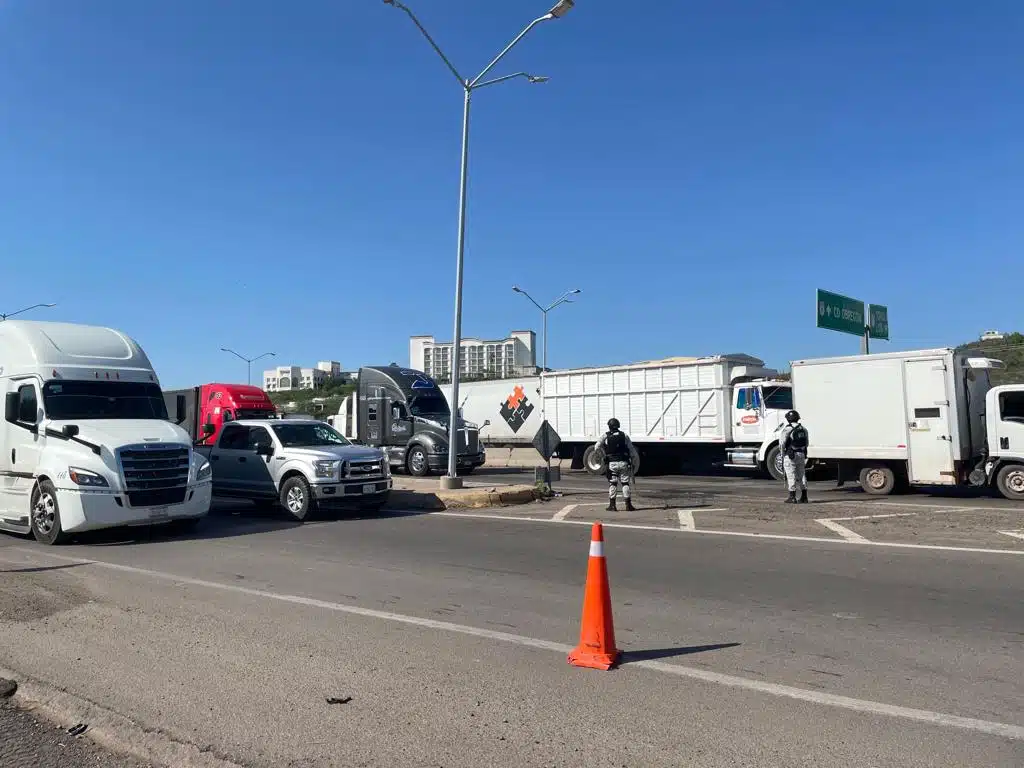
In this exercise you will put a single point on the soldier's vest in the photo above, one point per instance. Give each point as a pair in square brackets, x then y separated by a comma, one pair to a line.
[615, 448]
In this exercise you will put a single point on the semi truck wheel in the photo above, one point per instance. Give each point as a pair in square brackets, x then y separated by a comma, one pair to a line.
[1010, 482]
[46, 515]
[416, 461]
[590, 462]
[877, 480]
[296, 498]
[773, 463]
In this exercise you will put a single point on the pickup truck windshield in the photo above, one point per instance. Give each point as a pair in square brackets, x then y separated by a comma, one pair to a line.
[307, 435]
[778, 398]
[84, 400]
[429, 407]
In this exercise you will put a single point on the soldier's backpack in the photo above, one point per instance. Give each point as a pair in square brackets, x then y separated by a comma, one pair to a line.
[798, 439]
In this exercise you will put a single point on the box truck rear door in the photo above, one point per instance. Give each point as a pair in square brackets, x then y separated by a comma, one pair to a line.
[930, 439]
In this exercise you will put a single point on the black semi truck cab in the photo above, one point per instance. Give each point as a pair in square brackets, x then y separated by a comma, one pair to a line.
[404, 412]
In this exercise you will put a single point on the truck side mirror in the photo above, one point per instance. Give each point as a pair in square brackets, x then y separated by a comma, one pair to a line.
[264, 449]
[180, 415]
[208, 429]
[487, 423]
[70, 430]
[11, 403]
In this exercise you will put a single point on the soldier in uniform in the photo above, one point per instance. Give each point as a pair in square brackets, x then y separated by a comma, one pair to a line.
[617, 452]
[793, 443]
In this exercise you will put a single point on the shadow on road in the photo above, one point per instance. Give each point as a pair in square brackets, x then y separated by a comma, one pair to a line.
[651, 654]
[41, 568]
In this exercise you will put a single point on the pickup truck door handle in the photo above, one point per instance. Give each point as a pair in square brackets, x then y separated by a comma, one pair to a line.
[242, 459]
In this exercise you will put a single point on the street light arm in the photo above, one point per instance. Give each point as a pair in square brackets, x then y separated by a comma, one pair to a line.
[430, 40]
[538, 306]
[232, 352]
[509, 47]
[497, 80]
[563, 299]
[265, 354]
[26, 309]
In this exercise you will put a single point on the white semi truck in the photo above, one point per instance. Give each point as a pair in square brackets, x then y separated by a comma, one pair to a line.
[86, 441]
[927, 417]
[679, 412]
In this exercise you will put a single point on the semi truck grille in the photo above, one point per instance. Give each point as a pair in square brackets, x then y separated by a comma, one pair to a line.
[154, 475]
[469, 441]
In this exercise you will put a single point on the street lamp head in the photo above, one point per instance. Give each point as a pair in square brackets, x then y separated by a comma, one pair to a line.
[517, 289]
[575, 290]
[537, 79]
[561, 8]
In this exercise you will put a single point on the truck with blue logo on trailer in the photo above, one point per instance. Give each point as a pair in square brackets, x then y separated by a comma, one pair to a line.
[404, 412]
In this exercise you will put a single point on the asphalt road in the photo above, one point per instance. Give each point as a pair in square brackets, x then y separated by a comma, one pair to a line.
[449, 636]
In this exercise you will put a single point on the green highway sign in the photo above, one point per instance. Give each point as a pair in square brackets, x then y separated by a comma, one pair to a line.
[841, 313]
[878, 320]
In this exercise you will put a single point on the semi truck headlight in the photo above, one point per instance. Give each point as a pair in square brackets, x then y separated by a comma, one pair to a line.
[86, 478]
[205, 472]
[326, 469]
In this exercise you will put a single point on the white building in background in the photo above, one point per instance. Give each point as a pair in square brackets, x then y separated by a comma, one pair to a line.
[480, 358]
[993, 336]
[289, 377]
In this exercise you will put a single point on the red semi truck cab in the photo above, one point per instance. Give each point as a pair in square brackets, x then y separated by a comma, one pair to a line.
[219, 404]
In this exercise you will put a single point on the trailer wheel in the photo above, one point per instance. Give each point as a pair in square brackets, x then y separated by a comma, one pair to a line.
[590, 462]
[773, 463]
[1010, 482]
[877, 480]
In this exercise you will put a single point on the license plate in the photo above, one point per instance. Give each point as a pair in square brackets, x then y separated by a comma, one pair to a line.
[370, 488]
[158, 513]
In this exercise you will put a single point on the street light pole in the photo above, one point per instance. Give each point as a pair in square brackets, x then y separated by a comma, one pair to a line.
[26, 309]
[563, 299]
[451, 480]
[248, 361]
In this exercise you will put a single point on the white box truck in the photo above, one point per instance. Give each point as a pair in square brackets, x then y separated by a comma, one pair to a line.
[681, 412]
[86, 441]
[927, 417]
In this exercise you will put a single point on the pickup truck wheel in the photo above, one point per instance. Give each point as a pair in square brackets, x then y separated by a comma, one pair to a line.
[46, 515]
[877, 480]
[296, 498]
[1010, 482]
[416, 461]
[773, 463]
[590, 462]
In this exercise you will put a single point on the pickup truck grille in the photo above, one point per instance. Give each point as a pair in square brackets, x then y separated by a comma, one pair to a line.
[355, 470]
[154, 474]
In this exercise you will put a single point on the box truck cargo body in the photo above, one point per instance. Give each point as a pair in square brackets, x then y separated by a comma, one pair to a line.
[926, 417]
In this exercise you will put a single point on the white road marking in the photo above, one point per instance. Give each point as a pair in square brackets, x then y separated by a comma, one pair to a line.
[739, 534]
[1005, 730]
[564, 512]
[1015, 534]
[842, 530]
[686, 520]
[872, 517]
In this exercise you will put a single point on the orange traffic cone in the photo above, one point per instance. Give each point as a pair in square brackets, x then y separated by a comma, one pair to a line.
[597, 634]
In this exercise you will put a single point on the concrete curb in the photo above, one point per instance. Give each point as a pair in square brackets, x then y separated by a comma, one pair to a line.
[466, 498]
[110, 729]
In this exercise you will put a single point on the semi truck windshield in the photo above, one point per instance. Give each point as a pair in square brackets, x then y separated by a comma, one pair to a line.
[83, 400]
[429, 407]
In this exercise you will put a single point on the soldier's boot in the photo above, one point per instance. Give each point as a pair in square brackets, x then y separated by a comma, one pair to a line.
[611, 506]
[792, 498]
[803, 496]
[629, 506]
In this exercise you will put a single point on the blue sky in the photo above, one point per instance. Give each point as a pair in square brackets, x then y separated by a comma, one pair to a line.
[271, 176]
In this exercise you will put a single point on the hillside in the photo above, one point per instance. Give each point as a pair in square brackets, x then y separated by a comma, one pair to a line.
[1009, 349]
[314, 402]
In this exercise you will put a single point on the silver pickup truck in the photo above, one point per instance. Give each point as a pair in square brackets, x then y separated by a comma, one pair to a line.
[300, 464]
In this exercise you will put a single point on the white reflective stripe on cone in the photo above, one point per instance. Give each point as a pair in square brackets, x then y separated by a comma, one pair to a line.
[597, 549]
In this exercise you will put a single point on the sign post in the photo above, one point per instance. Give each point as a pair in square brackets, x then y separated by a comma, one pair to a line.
[836, 312]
